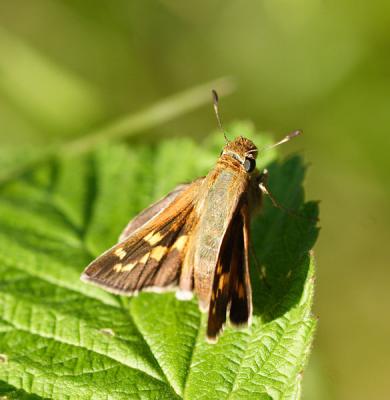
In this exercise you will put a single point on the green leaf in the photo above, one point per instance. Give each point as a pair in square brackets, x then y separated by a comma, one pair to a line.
[61, 338]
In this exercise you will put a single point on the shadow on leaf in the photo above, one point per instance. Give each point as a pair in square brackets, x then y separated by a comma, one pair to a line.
[282, 242]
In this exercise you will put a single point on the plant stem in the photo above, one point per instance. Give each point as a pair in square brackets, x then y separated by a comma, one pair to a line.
[163, 111]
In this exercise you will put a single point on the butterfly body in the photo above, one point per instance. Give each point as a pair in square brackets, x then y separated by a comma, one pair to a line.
[195, 240]
[226, 188]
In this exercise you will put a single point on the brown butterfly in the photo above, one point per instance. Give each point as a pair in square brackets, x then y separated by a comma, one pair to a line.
[195, 240]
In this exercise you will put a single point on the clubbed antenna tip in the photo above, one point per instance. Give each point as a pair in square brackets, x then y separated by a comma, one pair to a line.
[216, 110]
[285, 139]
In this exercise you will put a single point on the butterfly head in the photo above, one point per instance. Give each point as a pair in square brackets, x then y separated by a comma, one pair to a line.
[244, 151]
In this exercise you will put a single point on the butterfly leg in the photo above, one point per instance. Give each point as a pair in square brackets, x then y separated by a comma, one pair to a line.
[263, 180]
[263, 185]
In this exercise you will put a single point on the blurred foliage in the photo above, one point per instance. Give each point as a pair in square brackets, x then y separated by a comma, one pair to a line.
[70, 67]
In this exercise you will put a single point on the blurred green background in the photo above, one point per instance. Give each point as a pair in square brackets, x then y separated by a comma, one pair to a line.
[69, 67]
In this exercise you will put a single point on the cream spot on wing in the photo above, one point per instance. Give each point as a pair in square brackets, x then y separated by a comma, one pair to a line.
[153, 238]
[117, 267]
[128, 267]
[158, 252]
[144, 259]
[180, 243]
[120, 253]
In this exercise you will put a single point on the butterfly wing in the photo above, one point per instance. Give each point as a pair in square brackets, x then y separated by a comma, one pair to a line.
[151, 212]
[231, 284]
[151, 254]
[240, 312]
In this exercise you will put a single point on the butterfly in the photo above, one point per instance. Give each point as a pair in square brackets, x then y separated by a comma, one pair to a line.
[195, 240]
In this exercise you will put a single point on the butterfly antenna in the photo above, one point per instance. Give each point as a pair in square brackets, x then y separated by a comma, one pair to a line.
[216, 110]
[285, 139]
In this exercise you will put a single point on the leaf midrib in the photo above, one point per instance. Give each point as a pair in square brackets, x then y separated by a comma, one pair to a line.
[132, 320]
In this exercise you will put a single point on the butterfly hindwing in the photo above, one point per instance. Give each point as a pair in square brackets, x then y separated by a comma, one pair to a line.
[150, 257]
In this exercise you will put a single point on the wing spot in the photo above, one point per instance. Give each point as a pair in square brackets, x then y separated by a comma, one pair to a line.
[158, 252]
[219, 268]
[120, 253]
[222, 280]
[144, 258]
[117, 267]
[153, 238]
[180, 243]
[241, 292]
[128, 267]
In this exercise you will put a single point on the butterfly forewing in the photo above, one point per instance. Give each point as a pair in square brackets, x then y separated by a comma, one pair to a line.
[151, 255]
[151, 212]
[222, 280]
[240, 287]
[231, 285]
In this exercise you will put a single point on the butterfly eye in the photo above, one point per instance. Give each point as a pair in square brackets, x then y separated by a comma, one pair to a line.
[249, 164]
